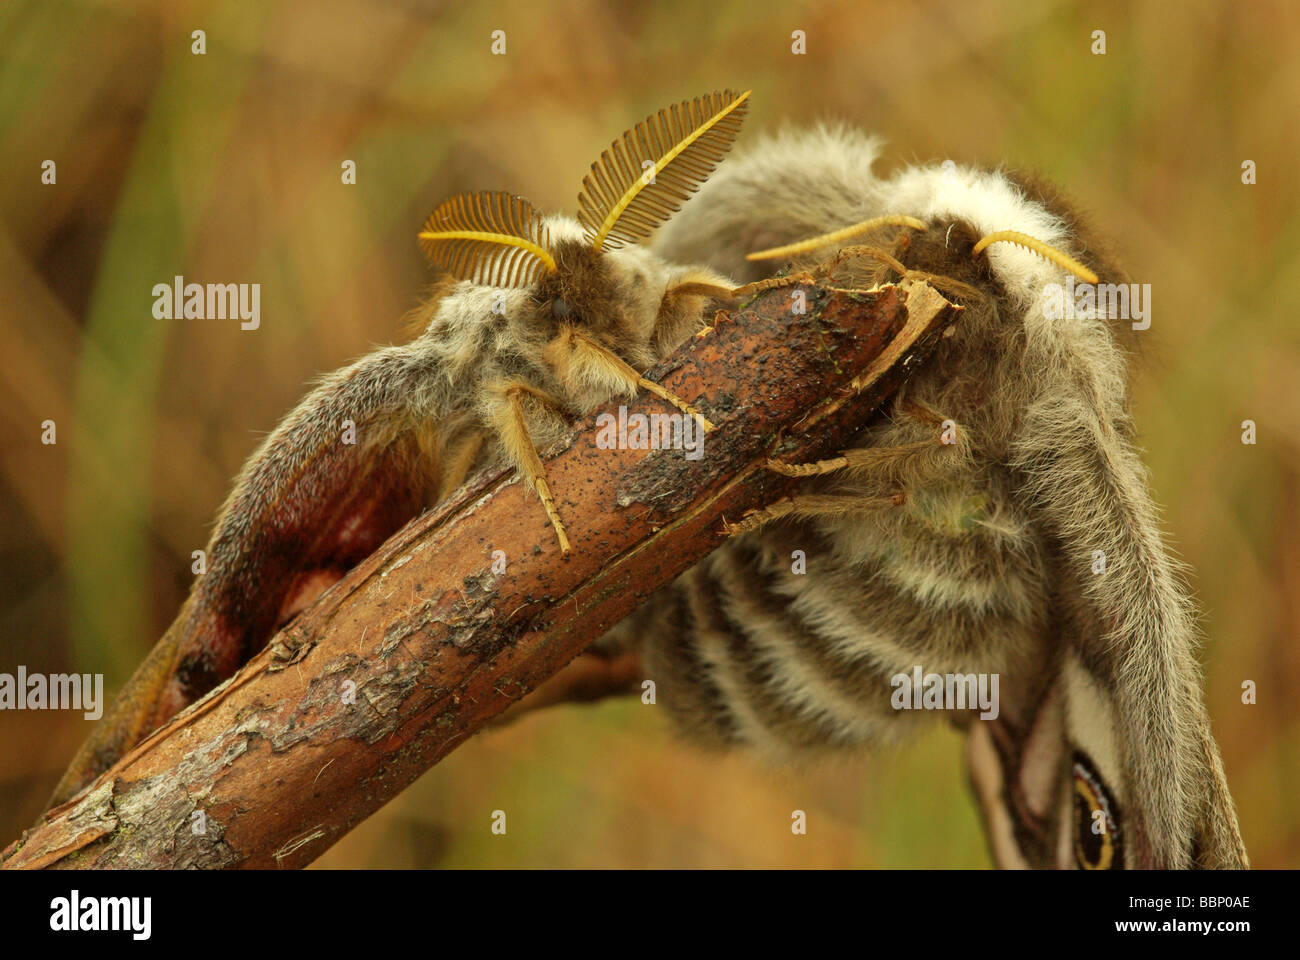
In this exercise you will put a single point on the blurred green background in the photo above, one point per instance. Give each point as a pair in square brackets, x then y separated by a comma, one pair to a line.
[226, 167]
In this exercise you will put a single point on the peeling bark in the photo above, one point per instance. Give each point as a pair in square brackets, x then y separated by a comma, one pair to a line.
[421, 644]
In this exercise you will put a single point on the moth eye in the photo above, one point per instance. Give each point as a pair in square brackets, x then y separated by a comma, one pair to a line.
[561, 307]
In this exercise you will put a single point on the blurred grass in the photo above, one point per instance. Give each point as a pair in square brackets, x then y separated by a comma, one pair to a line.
[226, 167]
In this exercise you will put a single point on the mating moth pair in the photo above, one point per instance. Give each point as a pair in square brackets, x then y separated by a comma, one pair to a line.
[957, 536]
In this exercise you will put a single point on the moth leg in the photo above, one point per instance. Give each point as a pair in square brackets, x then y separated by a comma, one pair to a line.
[718, 291]
[707, 289]
[691, 299]
[772, 283]
[593, 362]
[921, 462]
[947, 285]
[457, 462]
[511, 424]
[858, 251]
[812, 506]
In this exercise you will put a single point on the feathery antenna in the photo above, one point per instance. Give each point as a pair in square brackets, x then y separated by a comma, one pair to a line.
[495, 239]
[642, 179]
[1042, 249]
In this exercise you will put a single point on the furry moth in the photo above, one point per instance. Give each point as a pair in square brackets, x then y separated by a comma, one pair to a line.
[541, 320]
[962, 533]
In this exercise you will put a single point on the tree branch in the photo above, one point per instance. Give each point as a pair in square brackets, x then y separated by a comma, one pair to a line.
[422, 644]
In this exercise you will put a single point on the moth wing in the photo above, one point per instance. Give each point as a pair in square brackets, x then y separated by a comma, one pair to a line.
[364, 452]
[1135, 721]
[1017, 766]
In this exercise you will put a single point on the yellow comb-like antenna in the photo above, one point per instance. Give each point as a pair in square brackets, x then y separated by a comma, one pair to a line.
[1040, 248]
[642, 179]
[825, 239]
[495, 239]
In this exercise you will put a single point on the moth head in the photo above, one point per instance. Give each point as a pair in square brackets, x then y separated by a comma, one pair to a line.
[586, 287]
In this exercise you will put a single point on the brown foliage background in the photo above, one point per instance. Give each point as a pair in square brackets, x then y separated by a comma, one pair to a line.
[226, 168]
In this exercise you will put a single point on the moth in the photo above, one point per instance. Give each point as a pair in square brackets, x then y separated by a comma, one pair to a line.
[958, 536]
[994, 520]
[539, 320]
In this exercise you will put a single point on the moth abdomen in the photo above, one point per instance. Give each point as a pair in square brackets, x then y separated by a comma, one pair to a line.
[1039, 559]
